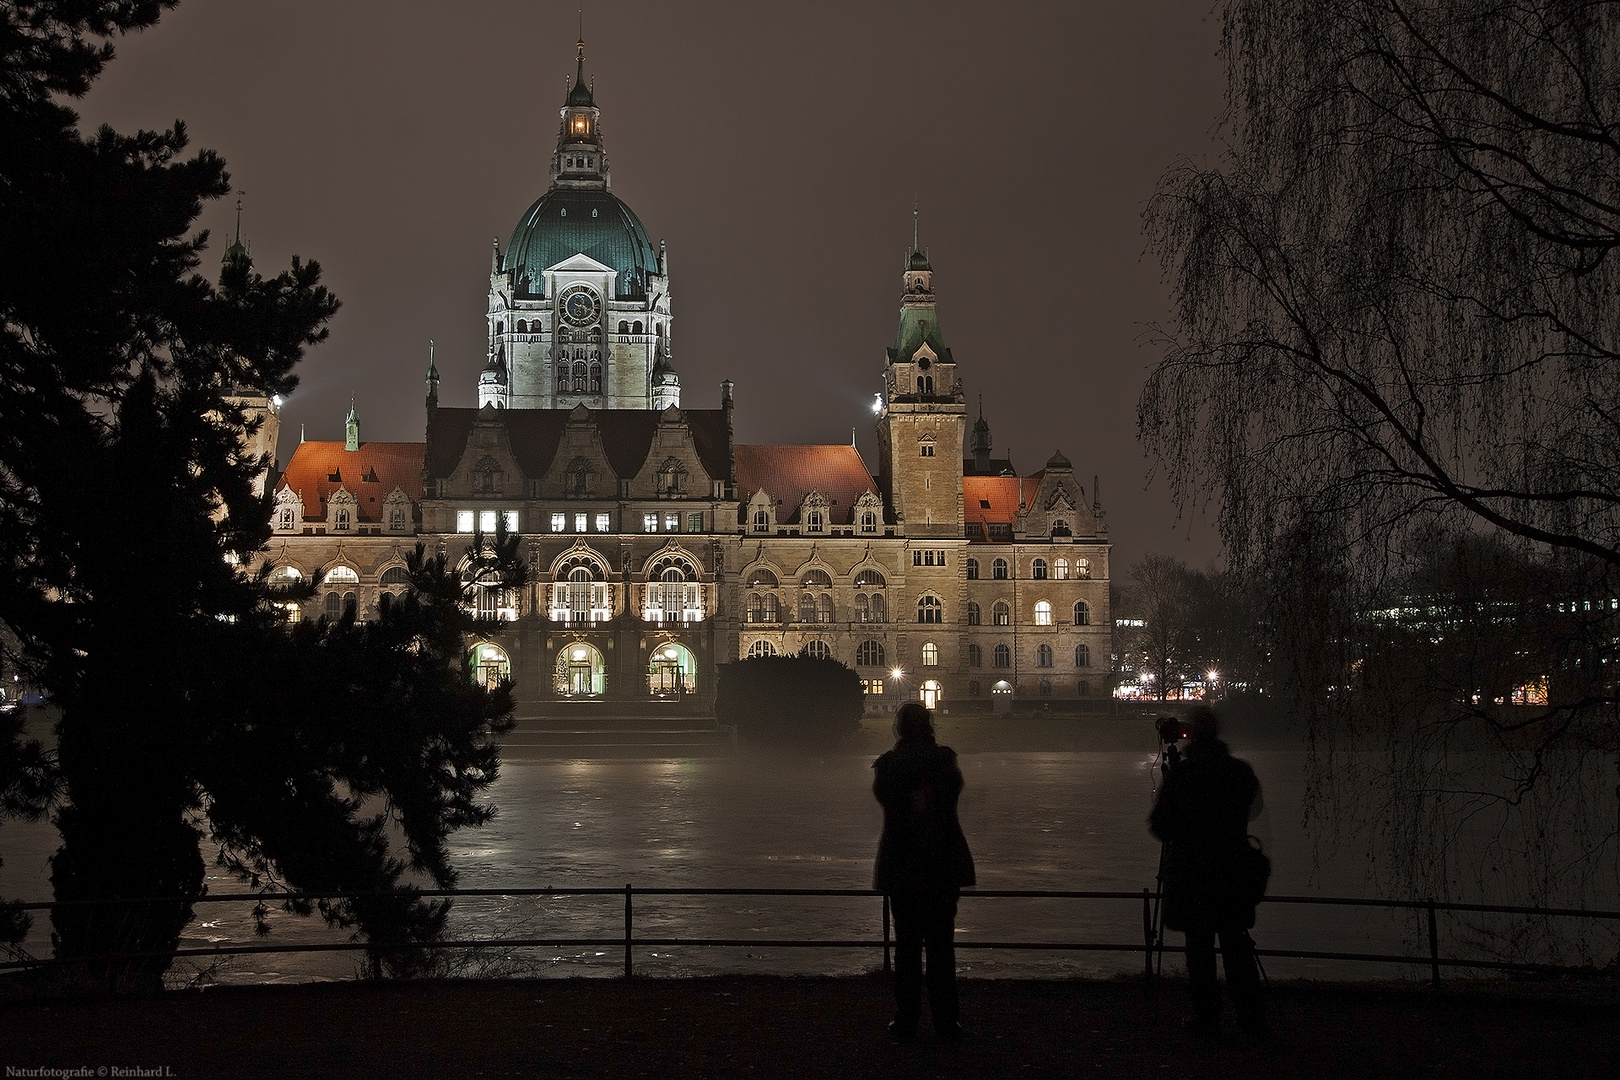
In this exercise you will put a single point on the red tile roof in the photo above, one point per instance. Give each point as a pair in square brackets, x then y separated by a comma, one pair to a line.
[988, 500]
[792, 472]
[392, 464]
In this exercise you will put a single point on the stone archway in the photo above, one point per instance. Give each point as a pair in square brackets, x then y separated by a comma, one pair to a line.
[580, 671]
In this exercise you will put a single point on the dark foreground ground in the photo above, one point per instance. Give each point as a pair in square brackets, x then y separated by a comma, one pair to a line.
[782, 1027]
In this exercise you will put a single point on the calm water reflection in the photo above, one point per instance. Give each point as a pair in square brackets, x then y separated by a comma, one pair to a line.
[1072, 820]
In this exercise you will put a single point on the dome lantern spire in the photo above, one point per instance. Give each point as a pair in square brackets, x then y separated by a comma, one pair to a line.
[580, 161]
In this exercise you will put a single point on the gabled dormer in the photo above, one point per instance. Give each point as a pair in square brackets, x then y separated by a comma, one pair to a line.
[396, 511]
[342, 511]
[288, 516]
[759, 515]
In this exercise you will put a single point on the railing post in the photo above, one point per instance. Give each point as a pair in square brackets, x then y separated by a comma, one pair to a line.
[1147, 934]
[627, 930]
[886, 968]
[1434, 949]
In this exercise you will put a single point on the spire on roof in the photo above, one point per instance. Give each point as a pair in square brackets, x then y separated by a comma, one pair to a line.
[237, 252]
[580, 91]
[351, 428]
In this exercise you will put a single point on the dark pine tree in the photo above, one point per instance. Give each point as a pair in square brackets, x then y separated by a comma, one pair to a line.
[189, 708]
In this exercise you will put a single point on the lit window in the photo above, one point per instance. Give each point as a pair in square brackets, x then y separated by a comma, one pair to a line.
[930, 654]
[1060, 569]
[486, 521]
[1082, 568]
[672, 523]
[1043, 614]
[604, 523]
[581, 522]
[761, 648]
[509, 518]
[559, 523]
[649, 522]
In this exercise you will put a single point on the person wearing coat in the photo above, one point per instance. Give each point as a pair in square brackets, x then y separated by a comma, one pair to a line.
[1202, 814]
[923, 862]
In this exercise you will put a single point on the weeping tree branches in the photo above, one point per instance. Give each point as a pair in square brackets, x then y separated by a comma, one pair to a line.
[1395, 350]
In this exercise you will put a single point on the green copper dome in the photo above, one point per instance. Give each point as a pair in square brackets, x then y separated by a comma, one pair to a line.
[565, 222]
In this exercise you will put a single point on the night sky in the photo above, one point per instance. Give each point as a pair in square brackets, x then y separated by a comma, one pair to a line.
[777, 148]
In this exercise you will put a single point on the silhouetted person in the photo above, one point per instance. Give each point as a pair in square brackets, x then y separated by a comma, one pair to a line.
[1203, 812]
[922, 863]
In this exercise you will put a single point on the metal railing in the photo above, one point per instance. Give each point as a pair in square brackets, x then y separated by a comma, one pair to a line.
[1151, 945]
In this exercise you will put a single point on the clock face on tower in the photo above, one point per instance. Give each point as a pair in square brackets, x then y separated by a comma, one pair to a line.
[579, 306]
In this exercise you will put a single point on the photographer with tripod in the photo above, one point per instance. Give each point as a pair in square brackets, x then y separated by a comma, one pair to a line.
[1211, 878]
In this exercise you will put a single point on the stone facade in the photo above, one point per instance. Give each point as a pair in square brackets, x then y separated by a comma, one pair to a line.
[659, 547]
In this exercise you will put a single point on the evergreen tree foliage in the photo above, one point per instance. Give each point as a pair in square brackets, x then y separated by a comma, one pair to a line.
[127, 511]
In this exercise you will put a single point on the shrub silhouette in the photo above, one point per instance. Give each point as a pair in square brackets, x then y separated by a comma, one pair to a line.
[789, 699]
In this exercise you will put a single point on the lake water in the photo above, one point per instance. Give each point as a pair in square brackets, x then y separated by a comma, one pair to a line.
[1070, 820]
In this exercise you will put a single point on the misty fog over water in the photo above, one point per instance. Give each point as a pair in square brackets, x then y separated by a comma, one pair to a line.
[1072, 820]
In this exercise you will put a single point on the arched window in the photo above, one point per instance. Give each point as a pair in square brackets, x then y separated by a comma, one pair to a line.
[815, 521]
[637, 328]
[343, 519]
[807, 607]
[339, 605]
[930, 610]
[880, 608]
[1037, 569]
[870, 579]
[761, 648]
[762, 520]
[975, 656]
[973, 569]
[581, 376]
[1060, 569]
[284, 518]
[863, 608]
[624, 327]
[762, 577]
[925, 385]
[522, 327]
[396, 578]
[562, 377]
[1046, 688]
[1082, 568]
[596, 378]
[817, 650]
[824, 608]
[817, 579]
[1001, 614]
[868, 521]
[396, 518]
[1082, 613]
[500, 328]
[283, 576]
[930, 654]
[869, 654]
[975, 617]
[1082, 656]
[1003, 656]
[1043, 656]
[1043, 613]
[342, 575]
[998, 569]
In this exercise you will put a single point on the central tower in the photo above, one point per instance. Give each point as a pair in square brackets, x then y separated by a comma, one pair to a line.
[579, 305]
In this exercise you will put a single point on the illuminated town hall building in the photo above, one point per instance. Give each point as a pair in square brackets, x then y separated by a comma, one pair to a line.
[660, 547]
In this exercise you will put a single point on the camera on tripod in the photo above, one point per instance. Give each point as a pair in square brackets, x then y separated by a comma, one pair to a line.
[1171, 729]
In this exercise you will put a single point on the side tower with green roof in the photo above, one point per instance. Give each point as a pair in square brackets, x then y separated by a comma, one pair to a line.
[922, 417]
